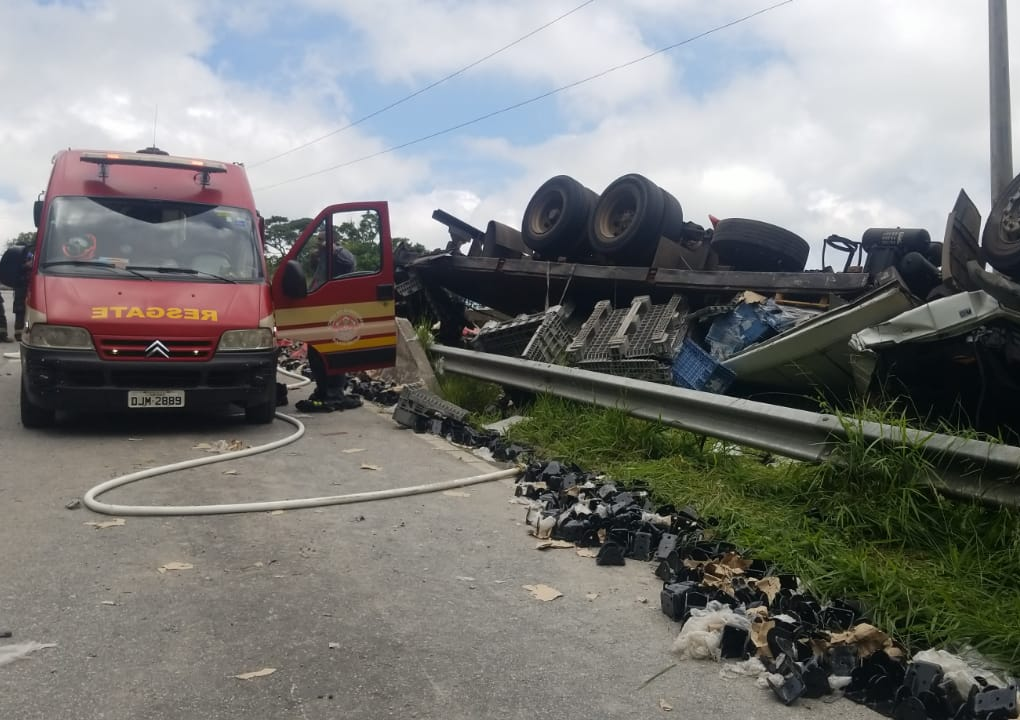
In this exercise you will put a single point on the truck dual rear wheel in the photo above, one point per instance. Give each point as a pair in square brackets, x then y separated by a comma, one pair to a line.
[556, 219]
[632, 214]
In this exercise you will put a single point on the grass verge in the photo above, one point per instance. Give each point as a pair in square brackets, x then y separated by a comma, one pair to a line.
[932, 572]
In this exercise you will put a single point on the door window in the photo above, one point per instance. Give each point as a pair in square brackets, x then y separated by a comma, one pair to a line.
[344, 244]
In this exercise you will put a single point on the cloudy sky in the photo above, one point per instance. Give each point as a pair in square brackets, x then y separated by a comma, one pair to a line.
[823, 116]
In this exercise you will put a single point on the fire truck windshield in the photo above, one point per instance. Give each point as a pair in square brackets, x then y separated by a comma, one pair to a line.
[150, 238]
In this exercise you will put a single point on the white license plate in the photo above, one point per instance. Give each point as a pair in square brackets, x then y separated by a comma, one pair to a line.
[155, 398]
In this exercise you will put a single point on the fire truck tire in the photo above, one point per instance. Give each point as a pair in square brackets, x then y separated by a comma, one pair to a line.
[556, 219]
[260, 414]
[628, 220]
[1000, 241]
[34, 417]
[753, 246]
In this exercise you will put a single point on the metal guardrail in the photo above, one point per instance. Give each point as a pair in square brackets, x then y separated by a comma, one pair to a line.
[969, 468]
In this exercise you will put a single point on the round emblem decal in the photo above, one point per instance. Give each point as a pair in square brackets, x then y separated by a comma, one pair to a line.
[346, 326]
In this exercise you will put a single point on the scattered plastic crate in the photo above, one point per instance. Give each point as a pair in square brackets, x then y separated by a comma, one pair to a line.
[418, 409]
[550, 340]
[641, 330]
[509, 338]
[648, 369]
[695, 369]
[541, 336]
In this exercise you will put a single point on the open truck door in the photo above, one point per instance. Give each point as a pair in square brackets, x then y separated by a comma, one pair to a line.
[334, 289]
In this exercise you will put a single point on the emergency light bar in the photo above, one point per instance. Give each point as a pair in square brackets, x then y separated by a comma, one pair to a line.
[150, 160]
[105, 159]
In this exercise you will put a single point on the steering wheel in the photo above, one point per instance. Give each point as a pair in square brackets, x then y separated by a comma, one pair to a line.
[79, 247]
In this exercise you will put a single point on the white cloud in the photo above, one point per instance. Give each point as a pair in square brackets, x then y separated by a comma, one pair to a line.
[823, 117]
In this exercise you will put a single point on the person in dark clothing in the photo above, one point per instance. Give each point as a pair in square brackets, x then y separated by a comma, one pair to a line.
[4, 337]
[20, 291]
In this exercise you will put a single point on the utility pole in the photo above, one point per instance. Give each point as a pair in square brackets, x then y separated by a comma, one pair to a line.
[998, 75]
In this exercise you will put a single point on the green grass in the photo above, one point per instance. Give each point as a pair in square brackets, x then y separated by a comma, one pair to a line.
[933, 572]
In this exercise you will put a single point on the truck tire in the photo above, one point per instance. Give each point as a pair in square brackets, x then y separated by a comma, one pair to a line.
[753, 246]
[34, 417]
[1000, 241]
[628, 220]
[557, 217]
[262, 414]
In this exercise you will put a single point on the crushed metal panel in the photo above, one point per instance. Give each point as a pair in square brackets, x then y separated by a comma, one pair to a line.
[938, 319]
[817, 352]
[961, 243]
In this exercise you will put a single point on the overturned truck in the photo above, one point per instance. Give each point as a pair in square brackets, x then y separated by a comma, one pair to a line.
[621, 282]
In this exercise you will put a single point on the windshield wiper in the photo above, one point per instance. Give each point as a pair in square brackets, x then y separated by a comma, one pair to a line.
[180, 271]
[93, 263]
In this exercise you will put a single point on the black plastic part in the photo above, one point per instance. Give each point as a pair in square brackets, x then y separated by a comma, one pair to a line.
[842, 660]
[791, 688]
[641, 546]
[922, 677]
[610, 553]
[733, 643]
[816, 680]
[911, 708]
[667, 543]
[673, 599]
[995, 704]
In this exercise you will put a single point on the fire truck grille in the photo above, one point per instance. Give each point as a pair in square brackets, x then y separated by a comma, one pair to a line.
[154, 349]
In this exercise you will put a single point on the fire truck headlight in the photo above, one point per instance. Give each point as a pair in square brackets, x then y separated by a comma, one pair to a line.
[254, 339]
[58, 337]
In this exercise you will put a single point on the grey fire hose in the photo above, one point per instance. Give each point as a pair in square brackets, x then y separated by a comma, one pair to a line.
[91, 502]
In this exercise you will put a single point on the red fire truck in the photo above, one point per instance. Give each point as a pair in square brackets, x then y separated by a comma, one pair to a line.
[148, 289]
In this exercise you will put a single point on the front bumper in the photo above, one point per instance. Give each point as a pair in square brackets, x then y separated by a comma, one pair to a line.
[79, 380]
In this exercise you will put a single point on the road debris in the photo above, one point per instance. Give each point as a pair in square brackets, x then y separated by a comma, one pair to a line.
[256, 673]
[171, 566]
[369, 466]
[549, 544]
[18, 651]
[74, 504]
[220, 446]
[735, 607]
[543, 592]
[103, 524]
[664, 706]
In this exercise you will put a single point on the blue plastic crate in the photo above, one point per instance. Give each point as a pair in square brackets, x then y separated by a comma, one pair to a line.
[695, 369]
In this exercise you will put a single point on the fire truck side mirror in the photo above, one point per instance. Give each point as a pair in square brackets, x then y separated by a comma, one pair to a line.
[294, 283]
[37, 212]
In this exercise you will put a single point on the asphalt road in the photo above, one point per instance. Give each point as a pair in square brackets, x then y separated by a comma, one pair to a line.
[410, 608]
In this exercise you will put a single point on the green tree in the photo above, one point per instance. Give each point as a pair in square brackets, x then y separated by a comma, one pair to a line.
[281, 233]
[361, 239]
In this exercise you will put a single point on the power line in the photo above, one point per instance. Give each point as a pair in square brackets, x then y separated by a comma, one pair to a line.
[529, 101]
[428, 87]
